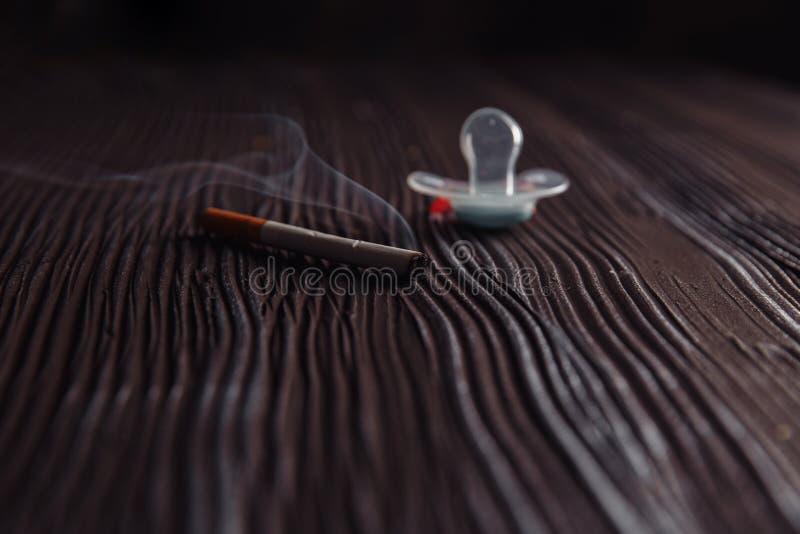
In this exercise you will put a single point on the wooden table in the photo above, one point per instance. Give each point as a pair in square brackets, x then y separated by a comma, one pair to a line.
[646, 381]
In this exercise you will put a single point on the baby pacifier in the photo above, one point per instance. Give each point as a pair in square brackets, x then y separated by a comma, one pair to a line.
[494, 196]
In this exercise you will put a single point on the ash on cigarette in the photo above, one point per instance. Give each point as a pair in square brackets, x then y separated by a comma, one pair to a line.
[422, 261]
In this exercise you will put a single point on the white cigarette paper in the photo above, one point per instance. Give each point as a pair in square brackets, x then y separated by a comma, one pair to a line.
[312, 243]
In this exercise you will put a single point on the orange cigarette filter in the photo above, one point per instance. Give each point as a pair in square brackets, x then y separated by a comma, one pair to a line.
[286, 236]
[232, 224]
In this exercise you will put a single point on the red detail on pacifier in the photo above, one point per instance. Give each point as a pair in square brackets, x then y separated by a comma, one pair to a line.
[440, 205]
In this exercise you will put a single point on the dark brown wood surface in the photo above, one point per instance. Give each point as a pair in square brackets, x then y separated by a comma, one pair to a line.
[649, 382]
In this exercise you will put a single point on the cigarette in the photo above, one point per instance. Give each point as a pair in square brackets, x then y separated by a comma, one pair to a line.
[310, 242]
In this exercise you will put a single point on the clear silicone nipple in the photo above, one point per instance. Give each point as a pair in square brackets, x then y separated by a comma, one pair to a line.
[491, 141]
[493, 196]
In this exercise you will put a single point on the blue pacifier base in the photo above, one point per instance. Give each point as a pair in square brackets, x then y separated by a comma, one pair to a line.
[491, 217]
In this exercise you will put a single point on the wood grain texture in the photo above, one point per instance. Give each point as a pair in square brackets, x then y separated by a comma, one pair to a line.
[648, 383]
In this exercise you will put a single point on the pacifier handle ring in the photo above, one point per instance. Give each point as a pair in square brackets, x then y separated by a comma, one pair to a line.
[498, 167]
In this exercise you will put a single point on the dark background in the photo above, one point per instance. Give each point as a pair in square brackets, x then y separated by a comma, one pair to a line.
[752, 35]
